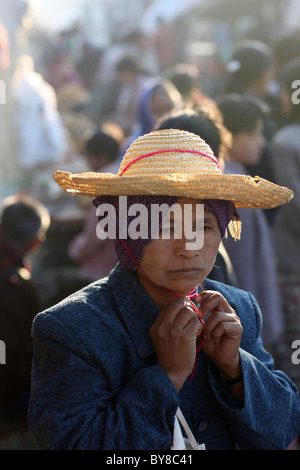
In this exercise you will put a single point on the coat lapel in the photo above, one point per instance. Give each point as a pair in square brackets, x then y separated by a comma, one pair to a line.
[137, 310]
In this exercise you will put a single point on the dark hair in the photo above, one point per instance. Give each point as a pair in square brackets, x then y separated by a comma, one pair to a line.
[183, 76]
[206, 123]
[101, 143]
[241, 112]
[23, 219]
[250, 59]
[286, 49]
[128, 64]
[291, 72]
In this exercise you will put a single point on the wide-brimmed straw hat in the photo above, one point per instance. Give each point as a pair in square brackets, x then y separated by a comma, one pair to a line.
[175, 163]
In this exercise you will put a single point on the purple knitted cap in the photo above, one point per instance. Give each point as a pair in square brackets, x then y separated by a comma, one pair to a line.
[130, 252]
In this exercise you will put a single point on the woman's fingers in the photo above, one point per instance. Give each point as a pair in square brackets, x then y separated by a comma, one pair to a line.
[178, 314]
[221, 323]
[212, 301]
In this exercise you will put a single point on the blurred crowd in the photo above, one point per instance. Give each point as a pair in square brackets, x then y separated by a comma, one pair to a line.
[79, 112]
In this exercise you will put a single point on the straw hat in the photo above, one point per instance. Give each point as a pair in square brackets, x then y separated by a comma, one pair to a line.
[175, 163]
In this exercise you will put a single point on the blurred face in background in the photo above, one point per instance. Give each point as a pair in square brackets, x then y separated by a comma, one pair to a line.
[161, 103]
[285, 101]
[247, 146]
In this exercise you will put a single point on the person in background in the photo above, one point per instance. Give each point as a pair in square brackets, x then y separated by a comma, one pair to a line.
[186, 79]
[207, 124]
[23, 227]
[158, 97]
[253, 257]
[95, 257]
[286, 162]
[164, 43]
[131, 77]
[250, 69]
[250, 72]
[39, 130]
[285, 49]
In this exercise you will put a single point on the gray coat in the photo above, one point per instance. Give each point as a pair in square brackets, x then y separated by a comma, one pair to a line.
[96, 383]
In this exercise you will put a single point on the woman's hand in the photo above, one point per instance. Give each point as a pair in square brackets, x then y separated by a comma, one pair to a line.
[174, 336]
[177, 328]
[222, 332]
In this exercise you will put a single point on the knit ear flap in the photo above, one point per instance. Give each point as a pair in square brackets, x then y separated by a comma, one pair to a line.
[235, 226]
[227, 216]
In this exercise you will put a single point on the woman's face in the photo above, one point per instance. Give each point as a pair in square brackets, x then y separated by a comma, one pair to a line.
[168, 264]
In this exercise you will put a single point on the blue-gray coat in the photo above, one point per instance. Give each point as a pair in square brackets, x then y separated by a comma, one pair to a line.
[96, 384]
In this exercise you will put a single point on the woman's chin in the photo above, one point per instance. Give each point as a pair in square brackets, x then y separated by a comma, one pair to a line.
[184, 286]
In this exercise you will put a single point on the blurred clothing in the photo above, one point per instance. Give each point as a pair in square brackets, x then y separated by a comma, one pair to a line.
[223, 269]
[126, 108]
[39, 130]
[286, 162]
[282, 350]
[4, 48]
[95, 257]
[253, 260]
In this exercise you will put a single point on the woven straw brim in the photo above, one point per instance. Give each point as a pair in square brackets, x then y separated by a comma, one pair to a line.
[242, 190]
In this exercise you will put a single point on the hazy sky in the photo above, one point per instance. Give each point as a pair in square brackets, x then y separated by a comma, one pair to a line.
[56, 14]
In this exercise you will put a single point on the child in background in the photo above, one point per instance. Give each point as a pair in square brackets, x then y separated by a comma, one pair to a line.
[23, 227]
[96, 257]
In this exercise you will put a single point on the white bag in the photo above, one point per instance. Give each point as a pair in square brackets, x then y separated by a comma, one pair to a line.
[180, 442]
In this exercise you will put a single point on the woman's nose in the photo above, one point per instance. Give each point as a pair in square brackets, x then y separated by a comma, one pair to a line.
[182, 249]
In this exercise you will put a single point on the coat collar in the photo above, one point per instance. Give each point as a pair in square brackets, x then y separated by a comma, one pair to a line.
[137, 310]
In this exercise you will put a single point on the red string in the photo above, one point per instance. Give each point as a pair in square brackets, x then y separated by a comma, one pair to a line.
[200, 342]
[171, 150]
[132, 257]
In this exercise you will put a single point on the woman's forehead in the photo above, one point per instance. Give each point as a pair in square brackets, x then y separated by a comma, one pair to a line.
[198, 210]
[193, 202]
[189, 200]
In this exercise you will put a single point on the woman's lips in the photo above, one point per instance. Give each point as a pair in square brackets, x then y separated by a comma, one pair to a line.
[186, 271]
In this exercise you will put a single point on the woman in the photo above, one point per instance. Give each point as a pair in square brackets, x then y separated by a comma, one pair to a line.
[115, 361]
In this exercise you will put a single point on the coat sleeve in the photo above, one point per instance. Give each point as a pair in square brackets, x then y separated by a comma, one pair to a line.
[269, 418]
[73, 405]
